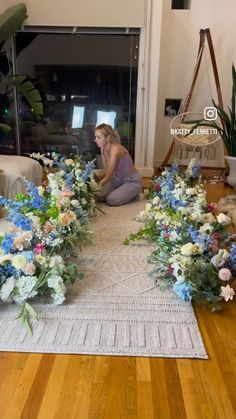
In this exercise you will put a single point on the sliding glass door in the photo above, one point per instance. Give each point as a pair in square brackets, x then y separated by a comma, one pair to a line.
[85, 77]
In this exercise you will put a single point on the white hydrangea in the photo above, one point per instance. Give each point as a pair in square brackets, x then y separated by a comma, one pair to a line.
[24, 286]
[56, 282]
[57, 261]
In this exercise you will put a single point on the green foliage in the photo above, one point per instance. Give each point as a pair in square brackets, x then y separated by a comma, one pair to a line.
[226, 127]
[10, 21]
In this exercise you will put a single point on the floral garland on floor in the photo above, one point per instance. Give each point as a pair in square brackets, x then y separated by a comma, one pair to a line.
[194, 250]
[47, 225]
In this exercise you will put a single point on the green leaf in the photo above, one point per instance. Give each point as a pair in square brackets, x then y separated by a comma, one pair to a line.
[30, 93]
[5, 128]
[11, 20]
[30, 310]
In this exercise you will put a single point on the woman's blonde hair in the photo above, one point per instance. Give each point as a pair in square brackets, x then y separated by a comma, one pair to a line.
[107, 130]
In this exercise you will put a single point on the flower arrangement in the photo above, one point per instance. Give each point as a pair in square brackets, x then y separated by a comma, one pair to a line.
[46, 225]
[194, 250]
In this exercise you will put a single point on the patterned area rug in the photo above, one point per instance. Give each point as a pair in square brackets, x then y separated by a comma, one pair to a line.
[116, 309]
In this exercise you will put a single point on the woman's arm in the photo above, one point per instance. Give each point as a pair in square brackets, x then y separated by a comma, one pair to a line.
[111, 166]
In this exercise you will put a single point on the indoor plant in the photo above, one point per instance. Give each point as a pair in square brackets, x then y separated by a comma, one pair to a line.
[10, 21]
[226, 127]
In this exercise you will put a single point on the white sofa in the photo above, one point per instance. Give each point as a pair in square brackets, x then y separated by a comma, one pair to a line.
[13, 168]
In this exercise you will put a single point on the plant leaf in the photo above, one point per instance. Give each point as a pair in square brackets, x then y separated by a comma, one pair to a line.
[11, 20]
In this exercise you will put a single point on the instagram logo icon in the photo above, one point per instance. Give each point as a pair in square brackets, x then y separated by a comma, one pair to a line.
[210, 113]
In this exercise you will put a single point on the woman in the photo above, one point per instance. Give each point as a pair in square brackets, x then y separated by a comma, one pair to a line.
[120, 181]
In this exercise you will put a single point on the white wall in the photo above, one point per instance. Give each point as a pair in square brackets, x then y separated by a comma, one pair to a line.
[113, 13]
[179, 31]
[179, 46]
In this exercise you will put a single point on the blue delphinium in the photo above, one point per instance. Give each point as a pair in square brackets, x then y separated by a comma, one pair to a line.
[21, 221]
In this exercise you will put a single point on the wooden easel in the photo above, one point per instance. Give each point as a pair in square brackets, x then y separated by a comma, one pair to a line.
[205, 34]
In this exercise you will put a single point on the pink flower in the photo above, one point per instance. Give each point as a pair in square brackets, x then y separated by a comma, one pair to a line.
[169, 269]
[166, 235]
[39, 248]
[224, 274]
[66, 192]
[157, 187]
[211, 206]
[29, 268]
[216, 235]
[227, 293]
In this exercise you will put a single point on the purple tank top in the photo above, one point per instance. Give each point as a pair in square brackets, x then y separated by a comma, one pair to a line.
[124, 166]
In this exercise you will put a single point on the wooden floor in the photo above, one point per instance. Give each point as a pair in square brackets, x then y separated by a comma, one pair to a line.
[100, 387]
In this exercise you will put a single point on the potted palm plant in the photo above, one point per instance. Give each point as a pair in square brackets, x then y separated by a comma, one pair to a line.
[10, 21]
[225, 125]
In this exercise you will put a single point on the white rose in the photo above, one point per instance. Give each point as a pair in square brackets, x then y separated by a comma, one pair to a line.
[19, 261]
[189, 249]
[223, 219]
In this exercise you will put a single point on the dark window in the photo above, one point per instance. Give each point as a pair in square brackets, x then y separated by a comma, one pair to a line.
[84, 80]
[181, 4]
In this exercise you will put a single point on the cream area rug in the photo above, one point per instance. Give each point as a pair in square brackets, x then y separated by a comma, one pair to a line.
[115, 309]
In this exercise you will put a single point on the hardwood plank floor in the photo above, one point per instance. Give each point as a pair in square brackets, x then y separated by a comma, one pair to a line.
[36, 386]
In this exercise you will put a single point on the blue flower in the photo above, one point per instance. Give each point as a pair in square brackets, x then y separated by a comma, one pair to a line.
[183, 290]
[21, 221]
[196, 169]
[7, 243]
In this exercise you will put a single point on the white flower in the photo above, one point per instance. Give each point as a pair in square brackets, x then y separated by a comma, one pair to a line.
[24, 286]
[156, 200]
[41, 190]
[56, 282]
[19, 261]
[69, 162]
[5, 259]
[227, 293]
[190, 249]
[7, 288]
[57, 261]
[223, 219]
[220, 259]
[191, 191]
[148, 207]
[206, 228]
[75, 203]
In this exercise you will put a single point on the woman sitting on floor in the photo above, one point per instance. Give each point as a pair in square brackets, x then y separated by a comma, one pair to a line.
[120, 181]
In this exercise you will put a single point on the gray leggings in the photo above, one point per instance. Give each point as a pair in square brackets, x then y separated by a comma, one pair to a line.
[120, 192]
